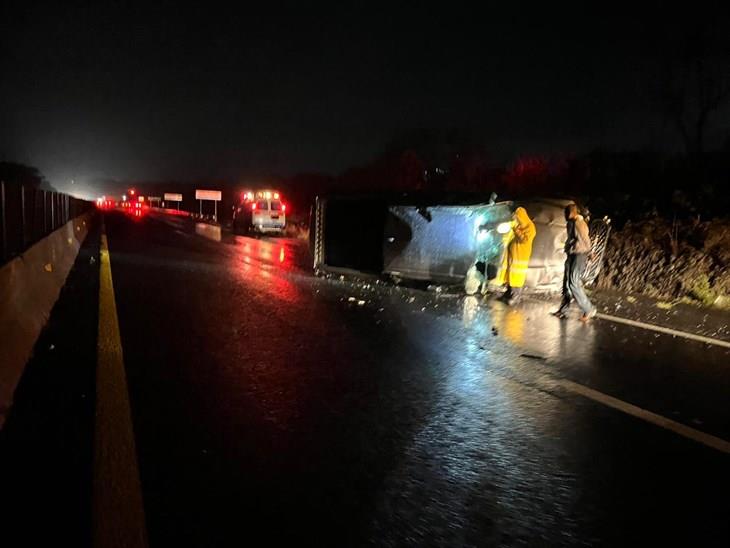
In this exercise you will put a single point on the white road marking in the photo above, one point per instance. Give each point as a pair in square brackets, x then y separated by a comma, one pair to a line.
[638, 412]
[665, 330]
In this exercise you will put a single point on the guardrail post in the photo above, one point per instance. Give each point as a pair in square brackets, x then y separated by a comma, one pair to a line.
[45, 214]
[3, 212]
[22, 218]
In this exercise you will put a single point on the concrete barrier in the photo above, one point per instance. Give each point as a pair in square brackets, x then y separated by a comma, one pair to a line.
[29, 287]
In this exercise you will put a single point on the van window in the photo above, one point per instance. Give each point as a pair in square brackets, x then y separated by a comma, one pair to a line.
[275, 205]
[262, 205]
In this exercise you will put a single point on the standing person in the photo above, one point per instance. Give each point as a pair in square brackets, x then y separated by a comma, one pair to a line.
[577, 249]
[517, 258]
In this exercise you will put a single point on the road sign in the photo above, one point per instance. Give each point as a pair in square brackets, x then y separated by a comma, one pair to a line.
[169, 197]
[214, 195]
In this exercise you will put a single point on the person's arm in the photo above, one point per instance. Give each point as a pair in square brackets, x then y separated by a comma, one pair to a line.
[583, 233]
[520, 235]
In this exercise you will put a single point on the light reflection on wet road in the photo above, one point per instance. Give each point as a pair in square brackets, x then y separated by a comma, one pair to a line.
[268, 401]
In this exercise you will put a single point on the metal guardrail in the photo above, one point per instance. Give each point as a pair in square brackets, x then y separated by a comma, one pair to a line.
[29, 214]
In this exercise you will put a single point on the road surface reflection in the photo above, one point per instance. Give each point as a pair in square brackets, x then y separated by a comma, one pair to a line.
[268, 264]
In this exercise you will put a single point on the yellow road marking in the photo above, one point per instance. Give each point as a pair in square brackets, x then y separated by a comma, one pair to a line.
[118, 511]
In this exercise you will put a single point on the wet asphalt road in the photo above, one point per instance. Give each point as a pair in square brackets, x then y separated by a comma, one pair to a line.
[269, 404]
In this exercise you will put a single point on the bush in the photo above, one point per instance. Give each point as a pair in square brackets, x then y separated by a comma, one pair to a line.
[686, 259]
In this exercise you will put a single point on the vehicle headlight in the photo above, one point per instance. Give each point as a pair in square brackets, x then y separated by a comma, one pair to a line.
[504, 228]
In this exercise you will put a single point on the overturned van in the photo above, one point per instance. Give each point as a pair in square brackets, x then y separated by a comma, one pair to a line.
[441, 239]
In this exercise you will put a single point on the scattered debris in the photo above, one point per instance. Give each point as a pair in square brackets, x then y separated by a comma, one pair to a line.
[631, 299]
[53, 346]
[494, 331]
[48, 267]
[351, 299]
[664, 305]
[360, 303]
[533, 356]
[92, 260]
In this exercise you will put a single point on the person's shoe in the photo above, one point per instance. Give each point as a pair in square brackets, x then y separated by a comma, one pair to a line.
[559, 314]
[585, 318]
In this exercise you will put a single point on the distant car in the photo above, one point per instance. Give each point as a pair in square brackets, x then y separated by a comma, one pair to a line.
[260, 211]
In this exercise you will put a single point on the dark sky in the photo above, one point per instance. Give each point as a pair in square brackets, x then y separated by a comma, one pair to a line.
[108, 92]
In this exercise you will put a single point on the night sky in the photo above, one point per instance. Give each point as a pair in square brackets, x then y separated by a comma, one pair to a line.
[102, 93]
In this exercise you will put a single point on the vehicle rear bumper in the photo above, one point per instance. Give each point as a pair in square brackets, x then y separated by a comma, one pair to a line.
[269, 228]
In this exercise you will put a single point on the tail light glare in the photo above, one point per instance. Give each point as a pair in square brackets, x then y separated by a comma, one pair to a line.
[283, 208]
[253, 207]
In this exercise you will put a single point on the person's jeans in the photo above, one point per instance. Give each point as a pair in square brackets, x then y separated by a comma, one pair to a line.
[575, 264]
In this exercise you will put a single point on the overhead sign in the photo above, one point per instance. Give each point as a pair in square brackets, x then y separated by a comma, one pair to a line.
[154, 199]
[173, 197]
[208, 195]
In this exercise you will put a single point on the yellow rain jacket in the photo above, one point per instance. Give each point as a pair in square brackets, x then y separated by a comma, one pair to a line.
[519, 250]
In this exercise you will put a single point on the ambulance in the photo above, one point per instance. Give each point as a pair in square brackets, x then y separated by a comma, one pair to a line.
[261, 211]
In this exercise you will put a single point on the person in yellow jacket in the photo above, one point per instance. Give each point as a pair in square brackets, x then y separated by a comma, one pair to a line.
[517, 258]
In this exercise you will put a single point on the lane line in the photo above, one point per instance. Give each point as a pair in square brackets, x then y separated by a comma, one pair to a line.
[640, 413]
[665, 330]
[118, 511]
[657, 328]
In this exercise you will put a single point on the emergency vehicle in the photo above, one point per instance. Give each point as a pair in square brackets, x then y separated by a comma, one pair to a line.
[259, 211]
